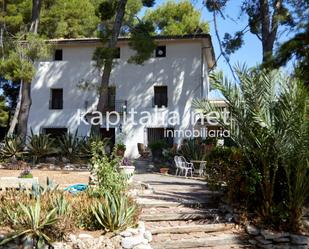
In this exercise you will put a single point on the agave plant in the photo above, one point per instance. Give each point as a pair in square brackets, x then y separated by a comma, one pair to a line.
[39, 146]
[115, 212]
[12, 148]
[32, 224]
[62, 204]
[193, 150]
[38, 190]
[269, 123]
[69, 145]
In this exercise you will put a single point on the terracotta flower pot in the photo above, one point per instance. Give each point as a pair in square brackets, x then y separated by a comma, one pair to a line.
[120, 152]
[164, 171]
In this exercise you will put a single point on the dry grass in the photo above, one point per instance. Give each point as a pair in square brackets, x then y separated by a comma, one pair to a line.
[63, 178]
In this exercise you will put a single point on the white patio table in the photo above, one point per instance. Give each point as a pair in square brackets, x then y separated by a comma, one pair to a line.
[202, 168]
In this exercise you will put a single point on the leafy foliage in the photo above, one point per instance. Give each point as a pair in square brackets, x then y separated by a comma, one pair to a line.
[226, 166]
[158, 145]
[19, 63]
[3, 112]
[105, 168]
[232, 44]
[298, 47]
[263, 114]
[68, 19]
[142, 42]
[177, 18]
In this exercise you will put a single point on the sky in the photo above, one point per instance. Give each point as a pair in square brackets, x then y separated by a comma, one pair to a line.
[251, 51]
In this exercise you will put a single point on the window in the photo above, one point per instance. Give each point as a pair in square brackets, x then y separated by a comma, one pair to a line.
[117, 53]
[161, 51]
[56, 99]
[55, 132]
[58, 55]
[160, 96]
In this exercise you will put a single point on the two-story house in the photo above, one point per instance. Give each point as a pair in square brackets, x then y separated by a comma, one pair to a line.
[63, 89]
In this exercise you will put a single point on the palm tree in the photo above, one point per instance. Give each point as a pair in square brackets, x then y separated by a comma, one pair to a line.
[269, 124]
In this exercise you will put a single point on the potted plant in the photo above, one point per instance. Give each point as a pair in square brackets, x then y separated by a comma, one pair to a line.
[25, 174]
[120, 149]
[127, 169]
[164, 170]
[157, 149]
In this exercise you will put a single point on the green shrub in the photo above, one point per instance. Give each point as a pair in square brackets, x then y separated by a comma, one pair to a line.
[115, 212]
[82, 214]
[158, 145]
[86, 145]
[105, 168]
[39, 146]
[227, 167]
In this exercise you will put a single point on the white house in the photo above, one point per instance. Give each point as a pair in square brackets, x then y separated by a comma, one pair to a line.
[63, 91]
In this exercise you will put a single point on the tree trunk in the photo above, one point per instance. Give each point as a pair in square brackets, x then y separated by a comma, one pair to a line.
[35, 18]
[16, 113]
[25, 105]
[25, 100]
[3, 7]
[103, 97]
[269, 26]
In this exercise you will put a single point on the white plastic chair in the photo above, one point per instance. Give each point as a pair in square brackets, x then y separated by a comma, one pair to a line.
[179, 165]
[187, 166]
[182, 166]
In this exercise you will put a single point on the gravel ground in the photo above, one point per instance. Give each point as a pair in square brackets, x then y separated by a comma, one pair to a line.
[63, 178]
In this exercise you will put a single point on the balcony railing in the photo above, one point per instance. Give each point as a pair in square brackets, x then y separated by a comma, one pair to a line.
[119, 106]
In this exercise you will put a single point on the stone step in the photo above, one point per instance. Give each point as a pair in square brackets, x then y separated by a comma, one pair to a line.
[206, 228]
[230, 246]
[199, 241]
[153, 203]
[165, 216]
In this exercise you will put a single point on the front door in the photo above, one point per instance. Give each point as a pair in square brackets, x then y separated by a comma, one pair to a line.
[110, 133]
[156, 134]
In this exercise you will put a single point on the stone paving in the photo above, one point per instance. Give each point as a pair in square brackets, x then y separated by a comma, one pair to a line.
[177, 204]
[176, 189]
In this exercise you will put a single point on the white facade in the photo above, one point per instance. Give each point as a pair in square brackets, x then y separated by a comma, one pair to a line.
[184, 71]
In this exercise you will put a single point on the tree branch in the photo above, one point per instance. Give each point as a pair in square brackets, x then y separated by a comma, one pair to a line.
[220, 45]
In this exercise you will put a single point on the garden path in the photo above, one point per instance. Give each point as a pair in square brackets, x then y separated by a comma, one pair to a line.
[184, 213]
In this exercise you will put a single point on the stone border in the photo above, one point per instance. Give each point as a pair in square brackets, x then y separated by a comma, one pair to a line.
[282, 240]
